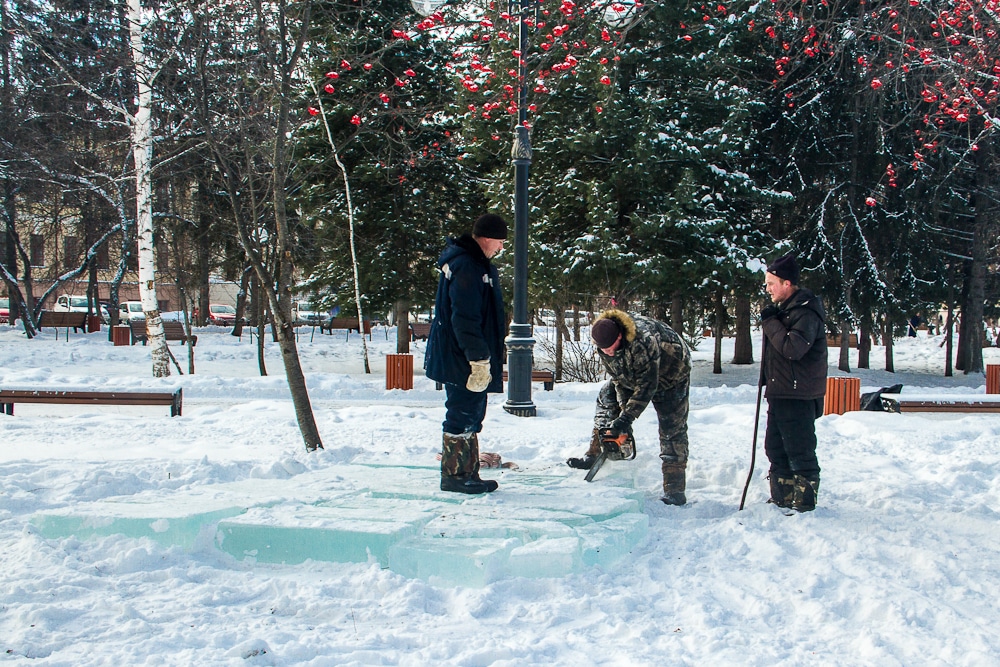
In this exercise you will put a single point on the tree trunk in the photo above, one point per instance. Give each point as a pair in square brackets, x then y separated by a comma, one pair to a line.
[887, 341]
[963, 356]
[241, 301]
[401, 313]
[677, 312]
[981, 241]
[949, 327]
[142, 150]
[743, 353]
[560, 328]
[260, 319]
[720, 327]
[864, 344]
[845, 347]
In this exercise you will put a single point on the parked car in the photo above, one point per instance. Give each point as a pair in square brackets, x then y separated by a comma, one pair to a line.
[4, 310]
[130, 310]
[303, 313]
[74, 303]
[68, 303]
[221, 314]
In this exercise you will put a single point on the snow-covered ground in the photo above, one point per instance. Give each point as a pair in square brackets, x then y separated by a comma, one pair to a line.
[898, 565]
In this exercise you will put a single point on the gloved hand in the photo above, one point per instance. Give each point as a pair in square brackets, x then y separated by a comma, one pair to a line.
[479, 377]
[769, 312]
[620, 426]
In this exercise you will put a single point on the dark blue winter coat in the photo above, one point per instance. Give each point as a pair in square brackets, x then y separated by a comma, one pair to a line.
[469, 322]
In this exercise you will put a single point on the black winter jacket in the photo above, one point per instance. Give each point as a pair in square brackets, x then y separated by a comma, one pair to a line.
[469, 322]
[795, 357]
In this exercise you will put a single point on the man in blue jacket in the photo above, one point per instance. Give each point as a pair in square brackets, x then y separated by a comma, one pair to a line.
[795, 363]
[465, 348]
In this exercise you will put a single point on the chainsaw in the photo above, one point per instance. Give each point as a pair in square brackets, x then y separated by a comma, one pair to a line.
[613, 448]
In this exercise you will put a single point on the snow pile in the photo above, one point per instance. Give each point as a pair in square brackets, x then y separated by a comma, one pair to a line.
[896, 566]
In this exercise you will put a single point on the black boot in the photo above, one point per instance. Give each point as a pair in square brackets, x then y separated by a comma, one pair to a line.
[459, 465]
[674, 483]
[472, 467]
[806, 493]
[587, 462]
[782, 490]
[466, 484]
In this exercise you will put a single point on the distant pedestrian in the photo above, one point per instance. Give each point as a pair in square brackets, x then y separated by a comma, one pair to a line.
[795, 367]
[465, 348]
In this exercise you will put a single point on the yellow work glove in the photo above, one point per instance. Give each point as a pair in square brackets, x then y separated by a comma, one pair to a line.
[479, 377]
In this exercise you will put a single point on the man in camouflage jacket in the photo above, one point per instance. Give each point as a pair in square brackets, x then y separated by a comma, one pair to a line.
[647, 362]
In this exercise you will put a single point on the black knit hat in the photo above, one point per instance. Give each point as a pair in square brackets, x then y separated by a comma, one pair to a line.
[605, 332]
[785, 268]
[490, 226]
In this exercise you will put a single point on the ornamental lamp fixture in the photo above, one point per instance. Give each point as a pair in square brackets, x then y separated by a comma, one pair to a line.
[621, 14]
[427, 7]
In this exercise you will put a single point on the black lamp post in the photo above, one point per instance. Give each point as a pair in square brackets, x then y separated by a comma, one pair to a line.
[520, 344]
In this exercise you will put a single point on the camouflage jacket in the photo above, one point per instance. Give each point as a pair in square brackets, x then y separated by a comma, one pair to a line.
[653, 358]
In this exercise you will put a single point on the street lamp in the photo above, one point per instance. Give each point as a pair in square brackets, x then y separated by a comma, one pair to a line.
[618, 14]
[520, 344]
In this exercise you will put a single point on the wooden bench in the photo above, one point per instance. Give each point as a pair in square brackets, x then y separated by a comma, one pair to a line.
[420, 330]
[51, 318]
[834, 340]
[173, 331]
[547, 378]
[976, 403]
[348, 323]
[172, 399]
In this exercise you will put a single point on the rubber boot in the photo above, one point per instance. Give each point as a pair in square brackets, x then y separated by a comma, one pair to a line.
[587, 462]
[472, 469]
[455, 466]
[805, 495]
[782, 490]
[674, 483]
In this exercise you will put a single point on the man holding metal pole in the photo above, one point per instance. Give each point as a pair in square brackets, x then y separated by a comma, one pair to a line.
[794, 365]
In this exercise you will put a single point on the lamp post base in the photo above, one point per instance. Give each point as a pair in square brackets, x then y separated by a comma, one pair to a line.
[520, 358]
[528, 410]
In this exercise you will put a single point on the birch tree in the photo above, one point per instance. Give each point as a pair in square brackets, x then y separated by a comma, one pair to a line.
[141, 127]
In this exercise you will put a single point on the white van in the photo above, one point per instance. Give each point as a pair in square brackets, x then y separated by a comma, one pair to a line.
[130, 310]
[304, 313]
[71, 304]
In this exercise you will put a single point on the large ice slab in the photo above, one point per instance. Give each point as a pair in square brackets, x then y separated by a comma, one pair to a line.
[534, 526]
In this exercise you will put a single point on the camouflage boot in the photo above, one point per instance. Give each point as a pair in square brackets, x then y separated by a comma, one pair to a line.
[587, 462]
[782, 490]
[472, 469]
[806, 492]
[455, 465]
[674, 483]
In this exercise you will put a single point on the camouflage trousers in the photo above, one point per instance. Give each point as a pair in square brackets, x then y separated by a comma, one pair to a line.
[460, 455]
[671, 407]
